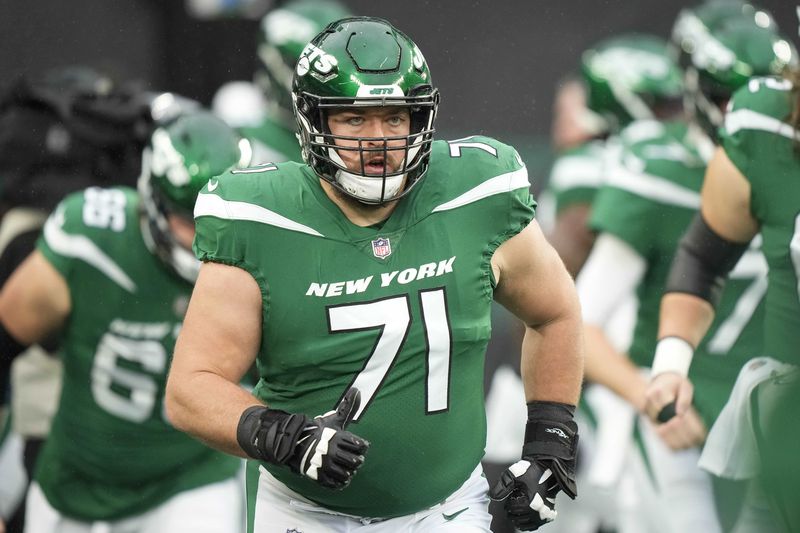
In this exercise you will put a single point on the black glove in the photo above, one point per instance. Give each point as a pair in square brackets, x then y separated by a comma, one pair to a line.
[529, 486]
[318, 448]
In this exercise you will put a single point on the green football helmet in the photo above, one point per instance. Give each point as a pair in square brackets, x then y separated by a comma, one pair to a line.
[725, 59]
[631, 77]
[694, 25]
[282, 35]
[364, 62]
[179, 159]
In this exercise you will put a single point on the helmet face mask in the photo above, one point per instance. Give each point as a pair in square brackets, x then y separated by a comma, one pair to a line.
[177, 162]
[358, 64]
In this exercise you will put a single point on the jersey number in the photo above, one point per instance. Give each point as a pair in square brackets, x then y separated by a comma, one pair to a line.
[104, 208]
[122, 391]
[750, 266]
[392, 318]
[458, 145]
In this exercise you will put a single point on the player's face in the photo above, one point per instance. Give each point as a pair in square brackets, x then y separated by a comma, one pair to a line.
[371, 124]
[182, 229]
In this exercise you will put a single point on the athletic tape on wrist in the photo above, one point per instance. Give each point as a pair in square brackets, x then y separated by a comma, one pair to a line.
[673, 354]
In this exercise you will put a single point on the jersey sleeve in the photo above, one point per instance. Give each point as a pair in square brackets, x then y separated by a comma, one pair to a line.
[66, 229]
[220, 213]
[80, 233]
[499, 169]
[618, 209]
[620, 213]
[763, 104]
[523, 206]
[575, 178]
[215, 230]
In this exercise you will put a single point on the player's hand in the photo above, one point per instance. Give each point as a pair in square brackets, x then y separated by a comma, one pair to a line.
[529, 490]
[668, 394]
[683, 431]
[529, 486]
[325, 451]
[320, 448]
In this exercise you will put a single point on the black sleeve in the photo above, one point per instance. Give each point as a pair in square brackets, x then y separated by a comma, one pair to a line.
[703, 261]
[16, 251]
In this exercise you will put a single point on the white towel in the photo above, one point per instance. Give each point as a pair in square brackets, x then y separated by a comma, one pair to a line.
[730, 450]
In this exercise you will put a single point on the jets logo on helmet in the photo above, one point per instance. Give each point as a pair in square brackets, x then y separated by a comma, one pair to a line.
[724, 59]
[694, 26]
[630, 77]
[178, 161]
[166, 160]
[379, 90]
[321, 65]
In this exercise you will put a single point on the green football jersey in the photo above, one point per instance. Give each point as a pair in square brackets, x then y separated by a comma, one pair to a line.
[111, 452]
[578, 173]
[400, 310]
[648, 202]
[273, 142]
[758, 139]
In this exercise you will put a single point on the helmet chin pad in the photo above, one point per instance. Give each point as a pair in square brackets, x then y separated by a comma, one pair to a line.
[368, 189]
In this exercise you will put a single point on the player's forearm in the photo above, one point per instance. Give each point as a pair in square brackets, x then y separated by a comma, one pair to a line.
[607, 367]
[552, 360]
[686, 316]
[208, 407]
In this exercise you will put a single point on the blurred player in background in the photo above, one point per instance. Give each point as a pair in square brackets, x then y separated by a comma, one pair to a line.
[624, 78]
[63, 130]
[640, 215]
[751, 189]
[113, 271]
[263, 111]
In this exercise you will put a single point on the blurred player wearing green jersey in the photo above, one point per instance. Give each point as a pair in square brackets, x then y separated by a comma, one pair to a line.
[752, 186]
[641, 214]
[113, 270]
[361, 284]
[626, 77]
[262, 110]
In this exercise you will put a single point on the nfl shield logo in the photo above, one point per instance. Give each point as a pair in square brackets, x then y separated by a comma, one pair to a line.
[381, 248]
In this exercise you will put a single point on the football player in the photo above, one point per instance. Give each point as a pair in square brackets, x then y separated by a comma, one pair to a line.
[364, 281]
[640, 215]
[750, 188]
[113, 270]
[65, 129]
[282, 34]
[625, 78]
